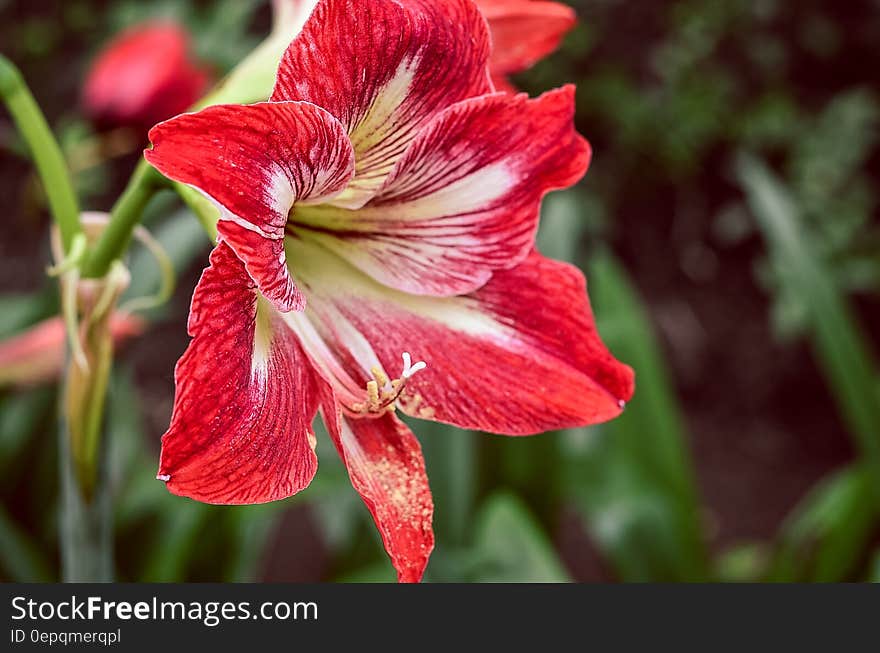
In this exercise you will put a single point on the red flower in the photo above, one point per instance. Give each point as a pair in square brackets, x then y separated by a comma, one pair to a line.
[523, 32]
[143, 76]
[384, 201]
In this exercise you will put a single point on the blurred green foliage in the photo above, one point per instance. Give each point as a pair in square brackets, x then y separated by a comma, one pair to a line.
[635, 480]
[761, 113]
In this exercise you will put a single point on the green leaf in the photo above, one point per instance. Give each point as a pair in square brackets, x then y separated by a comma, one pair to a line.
[633, 479]
[17, 312]
[250, 529]
[836, 147]
[176, 542]
[743, 563]
[125, 429]
[451, 457]
[510, 546]
[836, 336]
[380, 572]
[874, 572]
[338, 509]
[19, 557]
[566, 217]
[651, 427]
[20, 414]
[638, 524]
[824, 538]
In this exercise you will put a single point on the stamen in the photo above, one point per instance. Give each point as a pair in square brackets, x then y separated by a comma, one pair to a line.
[380, 376]
[373, 395]
[383, 393]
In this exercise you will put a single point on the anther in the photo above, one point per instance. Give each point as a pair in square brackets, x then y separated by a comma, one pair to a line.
[373, 396]
[380, 376]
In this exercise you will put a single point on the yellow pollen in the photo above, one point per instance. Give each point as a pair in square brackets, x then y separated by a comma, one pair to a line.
[380, 376]
[373, 396]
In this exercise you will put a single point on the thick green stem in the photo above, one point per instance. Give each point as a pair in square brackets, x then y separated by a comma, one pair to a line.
[124, 217]
[47, 155]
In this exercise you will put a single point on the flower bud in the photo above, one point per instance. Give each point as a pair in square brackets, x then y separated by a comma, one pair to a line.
[88, 307]
[145, 75]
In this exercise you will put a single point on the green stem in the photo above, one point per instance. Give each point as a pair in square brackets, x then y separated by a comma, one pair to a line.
[85, 522]
[124, 217]
[47, 155]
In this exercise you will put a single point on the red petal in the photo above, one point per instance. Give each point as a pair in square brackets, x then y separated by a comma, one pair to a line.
[385, 463]
[143, 76]
[502, 84]
[384, 68]
[519, 356]
[254, 162]
[524, 31]
[465, 198]
[241, 427]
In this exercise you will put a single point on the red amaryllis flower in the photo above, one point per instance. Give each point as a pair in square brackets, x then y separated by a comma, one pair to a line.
[384, 201]
[143, 76]
[523, 32]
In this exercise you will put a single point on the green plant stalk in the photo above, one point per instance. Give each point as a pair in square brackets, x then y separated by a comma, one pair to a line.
[84, 528]
[86, 519]
[47, 155]
[85, 452]
[124, 217]
[85, 524]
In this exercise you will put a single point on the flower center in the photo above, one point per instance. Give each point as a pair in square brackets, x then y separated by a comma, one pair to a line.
[382, 392]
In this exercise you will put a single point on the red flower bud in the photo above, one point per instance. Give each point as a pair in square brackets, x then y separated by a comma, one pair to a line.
[143, 76]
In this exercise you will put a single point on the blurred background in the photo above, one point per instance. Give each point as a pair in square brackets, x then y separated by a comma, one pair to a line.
[728, 229]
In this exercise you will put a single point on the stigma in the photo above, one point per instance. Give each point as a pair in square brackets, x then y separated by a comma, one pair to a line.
[382, 392]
